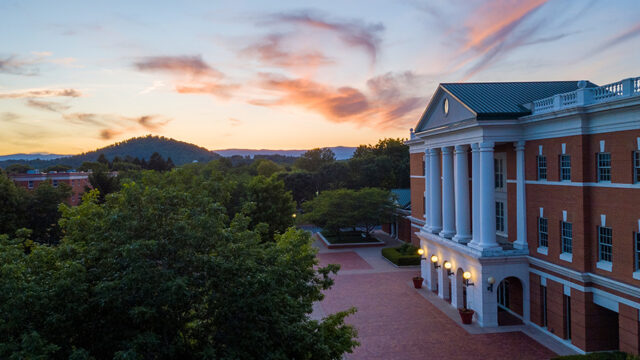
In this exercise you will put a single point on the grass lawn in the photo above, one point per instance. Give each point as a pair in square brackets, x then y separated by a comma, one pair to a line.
[348, 237]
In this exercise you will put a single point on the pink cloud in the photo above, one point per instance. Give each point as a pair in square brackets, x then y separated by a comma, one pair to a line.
[271, 50]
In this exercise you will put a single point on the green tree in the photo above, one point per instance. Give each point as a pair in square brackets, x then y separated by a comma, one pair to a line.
[58, 168]
[273, 205]
[344, 208]
[93, 166]
[267, 167]
[156, 273]
[313, 159]
[18, 169]
[106, 183]
[42, 211]
[385, 164]
[301, 184]
[13, 202]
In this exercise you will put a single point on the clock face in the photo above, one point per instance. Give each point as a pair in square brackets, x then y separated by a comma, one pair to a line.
[445, 106]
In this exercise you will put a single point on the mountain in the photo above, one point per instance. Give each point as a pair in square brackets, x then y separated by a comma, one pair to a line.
[342, 152]
[32, 156]
[141, 147]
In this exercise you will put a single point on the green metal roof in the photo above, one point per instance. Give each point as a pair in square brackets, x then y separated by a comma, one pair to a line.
[499, 100]
[403, 197]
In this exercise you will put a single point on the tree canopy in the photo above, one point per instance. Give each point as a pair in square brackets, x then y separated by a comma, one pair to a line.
[313, 159]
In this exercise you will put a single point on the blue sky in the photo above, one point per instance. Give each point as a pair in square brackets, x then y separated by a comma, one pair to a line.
[76, 75]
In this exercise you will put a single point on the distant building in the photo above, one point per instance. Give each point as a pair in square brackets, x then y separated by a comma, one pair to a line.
[533, 193]
[400, 228]
[77, 180]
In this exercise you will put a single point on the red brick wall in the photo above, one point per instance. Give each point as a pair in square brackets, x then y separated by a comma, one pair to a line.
[417, 186]
[593, 328]
[516, 297]
[404, 229]
[629, 332]
[555, 308]
[535, 299]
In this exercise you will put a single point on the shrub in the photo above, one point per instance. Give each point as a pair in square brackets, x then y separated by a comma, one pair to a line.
[404, 255]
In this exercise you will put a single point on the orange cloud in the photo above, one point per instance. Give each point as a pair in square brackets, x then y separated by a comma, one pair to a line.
[41, 93]
[192, 74]
[112, 125]
[352, 32]
[47, 105]
[270, 50]
[385, 105]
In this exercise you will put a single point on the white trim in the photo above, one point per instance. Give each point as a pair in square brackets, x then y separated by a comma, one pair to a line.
[560, 280]
[566, 289]
[417, 176]
[604, 265]
[543, 250]
[416, 226]
[580, 184]
[564, 215]
[541, 212]
[638, 141]
[568, 257]
[564, 342]
[636, 275]
[543, 281]
[564, 149]
[599, 298]
[416, 220]
[601, 146]
[603, 220]
[540, 150]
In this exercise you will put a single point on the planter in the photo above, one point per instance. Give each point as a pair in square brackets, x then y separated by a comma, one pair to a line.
[417, 282]
[466, 315]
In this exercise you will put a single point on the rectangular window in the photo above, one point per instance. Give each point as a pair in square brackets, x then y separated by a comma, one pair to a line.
[567, 317]
[424, 171]
[543, 302]
[542, 167]
[500, 216]
[567, 237]
[55, 183]
[30, 184]
[605, 244]
[636, 166]
[604, 166]
[565, 168]
[543, 232]
[498, 173]
[636, 237]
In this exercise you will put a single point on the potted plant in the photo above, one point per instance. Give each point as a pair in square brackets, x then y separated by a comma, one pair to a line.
[466, 315]
[417, 281]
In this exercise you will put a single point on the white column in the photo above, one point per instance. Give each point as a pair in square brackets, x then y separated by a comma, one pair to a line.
[463, 228]
[487, 199]
[427, 216]
[475, 193]
[448, 201]
[435, 192]
[521, 201]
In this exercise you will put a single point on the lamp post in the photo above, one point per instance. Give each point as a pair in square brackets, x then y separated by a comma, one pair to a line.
[466, 276]
[434, 260]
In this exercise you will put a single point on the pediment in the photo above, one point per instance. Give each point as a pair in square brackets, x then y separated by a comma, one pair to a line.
[435, 115]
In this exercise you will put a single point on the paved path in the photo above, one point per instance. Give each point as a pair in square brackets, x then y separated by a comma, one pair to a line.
[395, 321]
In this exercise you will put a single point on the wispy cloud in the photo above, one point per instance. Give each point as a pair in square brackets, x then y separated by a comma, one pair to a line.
[626, 35]
[16, 66]
[352, 32]
[41, 93]
[270, 50]
[9, 116]
[47, 105]
[384, 104]
[235, 122]
[111, 125]
[192, 74]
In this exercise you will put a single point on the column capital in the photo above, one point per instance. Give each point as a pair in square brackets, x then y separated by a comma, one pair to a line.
[447, 149]
[460, 149]
[475, 147]
[487, 146]
[434, 151]
[519, 145]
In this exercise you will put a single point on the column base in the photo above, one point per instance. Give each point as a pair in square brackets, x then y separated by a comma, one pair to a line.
[519, 245]
[462, 239]
[433, 229]
[485, 248]
[447, 233]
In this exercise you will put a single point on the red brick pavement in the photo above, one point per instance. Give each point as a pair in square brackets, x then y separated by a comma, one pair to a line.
[348, 260]
[395, 322]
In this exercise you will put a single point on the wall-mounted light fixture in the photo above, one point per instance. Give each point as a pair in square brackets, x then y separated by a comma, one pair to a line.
[490, 281]
[447, 265]
[466, 276]
[434, 260]
[421, 252]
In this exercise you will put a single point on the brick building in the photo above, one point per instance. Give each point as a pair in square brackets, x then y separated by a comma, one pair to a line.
[76, 180]
[533, 190]
[400, 228]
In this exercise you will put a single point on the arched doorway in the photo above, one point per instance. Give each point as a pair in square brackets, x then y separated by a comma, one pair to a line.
[510, 301]
[461, 290]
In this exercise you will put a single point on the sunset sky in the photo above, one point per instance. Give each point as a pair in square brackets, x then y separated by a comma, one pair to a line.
[78, 75]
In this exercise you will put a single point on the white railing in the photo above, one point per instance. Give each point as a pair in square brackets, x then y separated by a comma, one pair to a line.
[586, 96]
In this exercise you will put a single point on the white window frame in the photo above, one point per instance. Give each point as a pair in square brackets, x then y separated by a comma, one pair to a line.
[30, 184]
[54, 182]
[565, 167]
[500, 171]
[602, 245]
[566, 237]
[636, 255]
[545, 232]
[541, 163]
[636, 167]
[602, 169]
[503, 215]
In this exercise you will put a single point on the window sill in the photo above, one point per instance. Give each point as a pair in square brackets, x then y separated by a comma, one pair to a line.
[566, 257]
[604, 265]
[543, 250]
[636, 275]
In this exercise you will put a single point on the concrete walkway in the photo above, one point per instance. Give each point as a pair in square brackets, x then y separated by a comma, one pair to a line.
[396, 321]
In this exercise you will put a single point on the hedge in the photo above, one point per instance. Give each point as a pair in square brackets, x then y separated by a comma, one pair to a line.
[402, 255]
